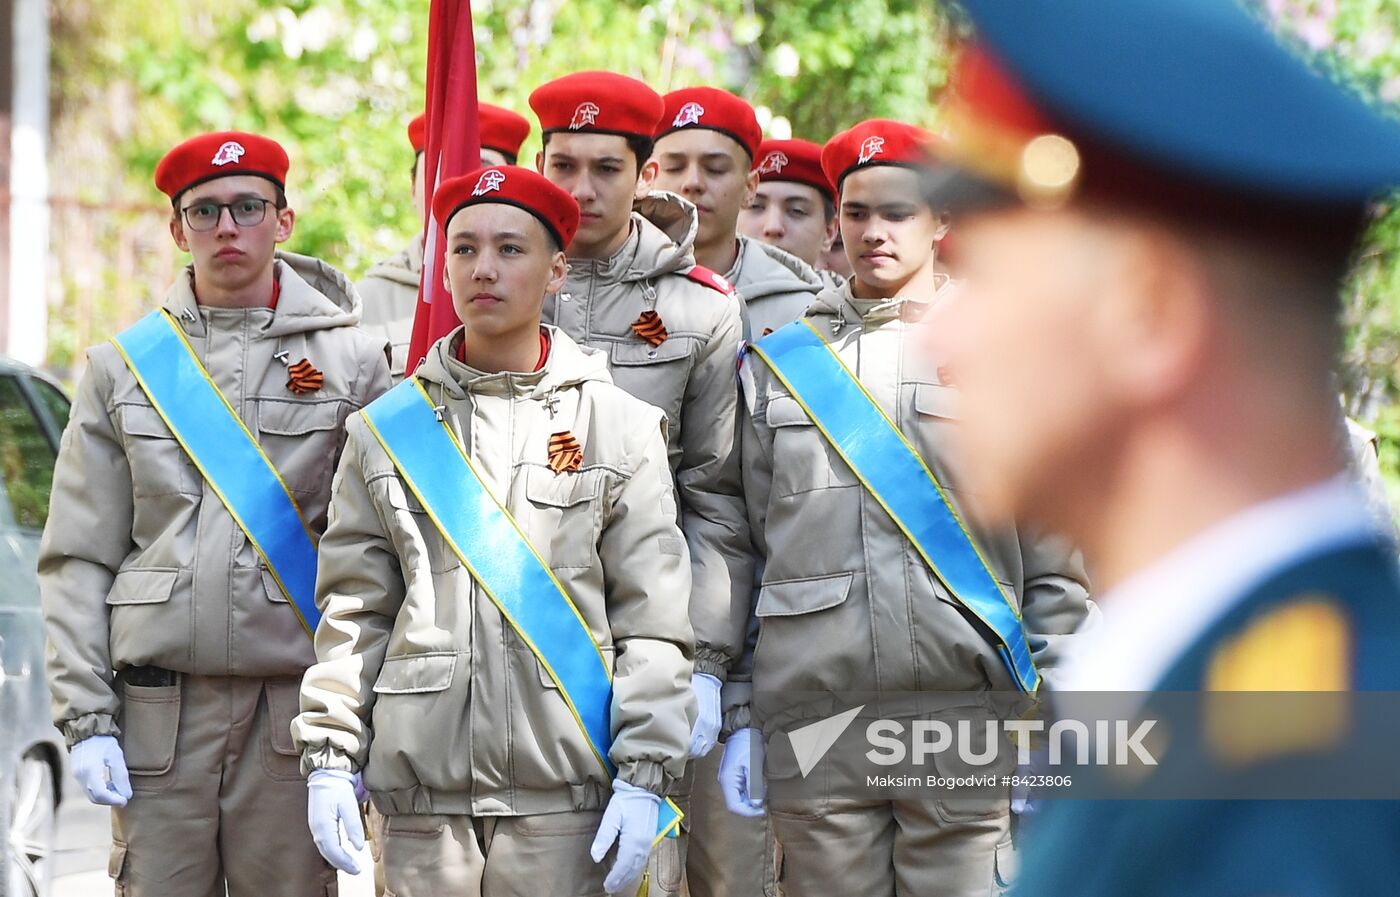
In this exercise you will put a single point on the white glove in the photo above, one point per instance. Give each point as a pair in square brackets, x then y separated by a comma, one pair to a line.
[741, 773]
[630, 820]
[706, 731]
[331, 803]
[92, 760]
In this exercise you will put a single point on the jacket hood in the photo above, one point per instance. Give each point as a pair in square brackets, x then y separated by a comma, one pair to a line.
[404, 268]
[569, 365]
[763, 270]
[313, 296]
[839, 302]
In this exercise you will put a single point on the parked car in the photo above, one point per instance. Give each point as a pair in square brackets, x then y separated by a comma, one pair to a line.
[33, 412]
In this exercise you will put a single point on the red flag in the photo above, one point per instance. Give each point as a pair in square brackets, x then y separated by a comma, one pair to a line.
[453, 149]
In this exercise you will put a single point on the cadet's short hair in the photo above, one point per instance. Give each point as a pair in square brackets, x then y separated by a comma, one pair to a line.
[640, 146]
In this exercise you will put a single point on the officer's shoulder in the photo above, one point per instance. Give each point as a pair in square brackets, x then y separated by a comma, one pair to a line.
[642, 419]
[712, 281]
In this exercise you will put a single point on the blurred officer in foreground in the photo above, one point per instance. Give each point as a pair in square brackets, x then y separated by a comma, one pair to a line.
[845, 437]
[390, 288]
[505, 587]
[1158, 205]
[705, 147]
[794, 205]
[671, 330]
[179, 562]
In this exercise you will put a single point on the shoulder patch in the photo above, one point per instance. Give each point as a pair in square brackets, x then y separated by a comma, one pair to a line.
[705, 277]
[1303, 645]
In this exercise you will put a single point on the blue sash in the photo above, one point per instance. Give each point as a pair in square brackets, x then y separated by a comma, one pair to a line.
[894, 474]
[499, 556]
[230, 459]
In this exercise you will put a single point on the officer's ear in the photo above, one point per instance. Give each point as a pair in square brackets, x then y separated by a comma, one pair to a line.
[647, 177]
[750, 188]
[945, 221]
[558, 272]
[177, 232]
[539, 161]
[833, 228]
[286, 218]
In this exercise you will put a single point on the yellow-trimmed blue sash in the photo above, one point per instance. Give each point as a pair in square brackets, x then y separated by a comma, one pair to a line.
[229, 458]
[500, 557]
[894, 474]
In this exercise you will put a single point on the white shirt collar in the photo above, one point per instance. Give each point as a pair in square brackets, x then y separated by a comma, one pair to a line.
[1156, 614]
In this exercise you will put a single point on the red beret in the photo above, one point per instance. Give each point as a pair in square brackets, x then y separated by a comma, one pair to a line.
[714, 109]
[597, 102]
[501, 130]
[512, 186]
[217, 155]
[798, 161]
[877, 141]
[418, 133]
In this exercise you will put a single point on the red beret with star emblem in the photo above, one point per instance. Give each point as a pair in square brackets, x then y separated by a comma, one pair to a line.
[715, 110]
[221, 154]
[597, 103]
[796, 161]
[877, 141]
[501, 130]
[513, 186]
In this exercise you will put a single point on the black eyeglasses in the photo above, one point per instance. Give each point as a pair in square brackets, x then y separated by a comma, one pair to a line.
[246, 212]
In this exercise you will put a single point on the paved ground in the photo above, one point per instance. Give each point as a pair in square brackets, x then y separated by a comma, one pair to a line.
[85, 836]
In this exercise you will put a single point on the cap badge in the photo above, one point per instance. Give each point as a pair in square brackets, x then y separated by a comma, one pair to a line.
[773, 163]
[229, 152]
[489, 182]
[688, 115]
[586, 114]
[872, 147]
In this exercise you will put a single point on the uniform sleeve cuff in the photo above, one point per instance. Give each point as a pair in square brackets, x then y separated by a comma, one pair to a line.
[646, 774]
[711, 661]
[324, 756]
[734, 719]
[87, 726]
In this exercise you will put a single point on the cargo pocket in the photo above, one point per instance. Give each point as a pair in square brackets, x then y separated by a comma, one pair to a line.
[565, 514]
[803, 459]
[143, 585]
[441, 557]
[654, 373]
[158, 465]
[420, 727]
[116, 867]
[281, 702]
[303, 439]
[1007, 865]
[150, 729]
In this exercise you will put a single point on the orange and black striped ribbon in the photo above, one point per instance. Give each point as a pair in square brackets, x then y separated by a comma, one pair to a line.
[650, 328]
[302, 377]
[565, 454]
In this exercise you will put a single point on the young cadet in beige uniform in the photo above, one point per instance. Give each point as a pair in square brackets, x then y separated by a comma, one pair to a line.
[671, 329]
[174, 655]
[848, 602]
[794, 205]
[390, 288]
[705, 149]
[705, 146]
[436, 676]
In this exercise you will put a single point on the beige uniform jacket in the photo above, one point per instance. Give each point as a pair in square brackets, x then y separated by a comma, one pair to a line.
[389, 291]
[141, 563]
[776, 286]
[422, 684]
[691, 377]
[845, 602]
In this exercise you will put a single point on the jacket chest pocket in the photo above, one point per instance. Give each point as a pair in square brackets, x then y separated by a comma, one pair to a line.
[654, 374]
[303, 440]
[564, 514]
[803, 459]
[425, 541]
[937, 412]
[159, 466]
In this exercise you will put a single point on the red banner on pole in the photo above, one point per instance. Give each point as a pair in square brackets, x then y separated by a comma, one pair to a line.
[453, 149]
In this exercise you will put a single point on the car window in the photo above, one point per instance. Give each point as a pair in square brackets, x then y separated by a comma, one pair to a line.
[26, 457]
[53, 400]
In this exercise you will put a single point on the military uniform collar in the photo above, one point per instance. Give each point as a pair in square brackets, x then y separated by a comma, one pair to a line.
[1148, 621]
